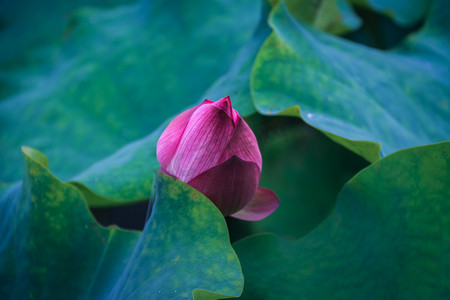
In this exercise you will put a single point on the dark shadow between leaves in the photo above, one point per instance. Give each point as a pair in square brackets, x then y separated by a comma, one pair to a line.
[131, 217]
[379, 31]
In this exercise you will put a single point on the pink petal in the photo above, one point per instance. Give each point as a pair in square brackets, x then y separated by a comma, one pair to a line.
[225, 105]
[243, 144]
[236, 117]
[169, 139]
[263, 203]
[204, 139]
[230, 185]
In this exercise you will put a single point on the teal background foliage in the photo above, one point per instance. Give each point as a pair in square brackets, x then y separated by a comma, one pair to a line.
[350, 104]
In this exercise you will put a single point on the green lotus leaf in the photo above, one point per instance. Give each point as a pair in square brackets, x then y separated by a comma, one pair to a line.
[387, 238]
[108, 76]
[184, 250]
[52, 247]
[28, 25]
[123, 177]
[331, 16]
[362, 98]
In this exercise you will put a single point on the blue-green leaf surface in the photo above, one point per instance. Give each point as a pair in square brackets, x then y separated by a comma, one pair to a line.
[110, 76]
[184, 248]
[51, 247]
[358, 96]
[388, 238]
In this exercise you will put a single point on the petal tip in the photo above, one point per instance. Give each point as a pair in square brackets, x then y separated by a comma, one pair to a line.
[225, 105]
[263, 204]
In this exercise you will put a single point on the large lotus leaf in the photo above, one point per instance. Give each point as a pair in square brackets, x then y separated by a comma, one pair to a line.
[330, 15]
[123, 177]
[305, 169]
[388, 238]
[184, 248]
[27, 24]
[360, 97]
[114, 76]
[51, 246]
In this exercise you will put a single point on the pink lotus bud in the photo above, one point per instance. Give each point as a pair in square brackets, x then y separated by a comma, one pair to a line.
[214, 150]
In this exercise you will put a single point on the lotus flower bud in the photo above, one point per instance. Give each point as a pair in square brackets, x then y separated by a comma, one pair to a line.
[212, 148]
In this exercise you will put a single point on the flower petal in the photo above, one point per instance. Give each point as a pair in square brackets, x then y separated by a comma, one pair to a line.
[243, 144]
[263, 203]
[225, 105]
[230, 185]
[204, 139]
[169, 139]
